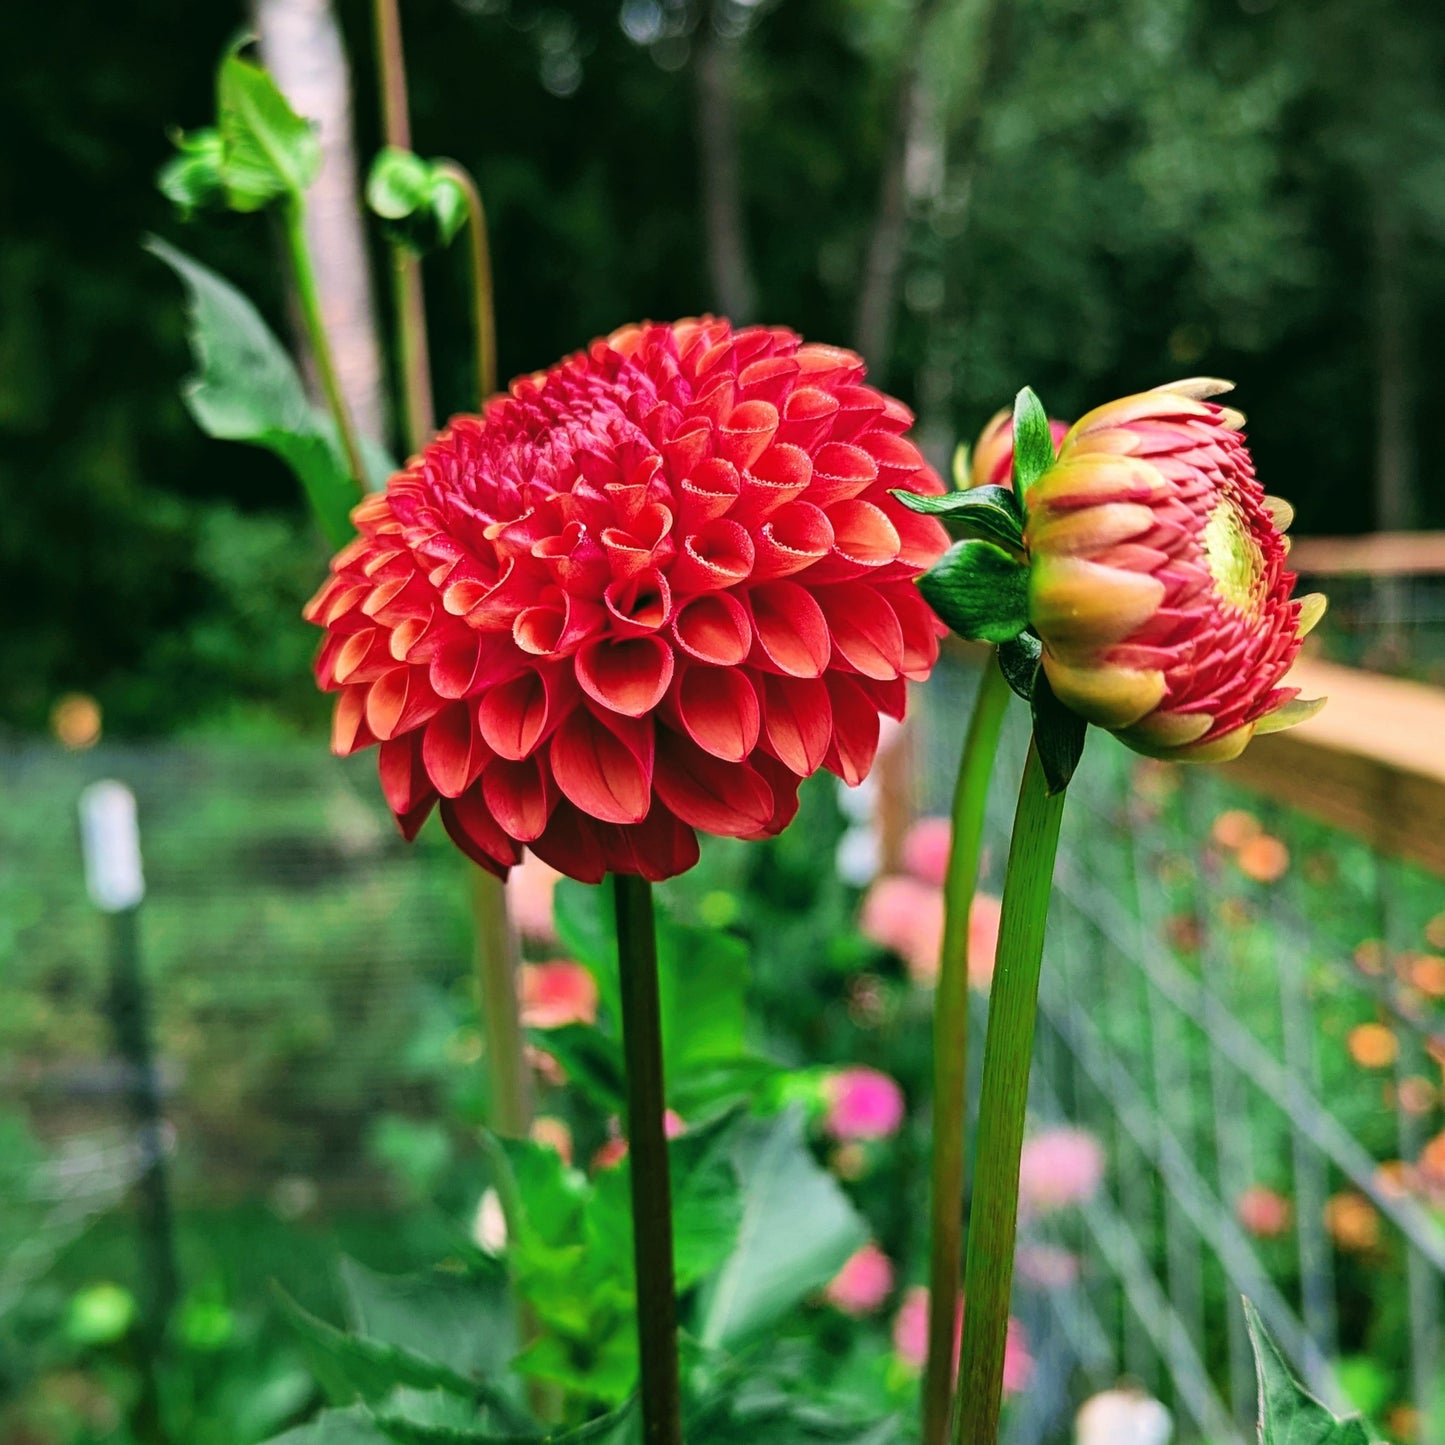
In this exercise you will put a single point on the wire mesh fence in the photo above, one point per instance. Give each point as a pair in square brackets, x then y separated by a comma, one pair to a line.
[1241, 1006]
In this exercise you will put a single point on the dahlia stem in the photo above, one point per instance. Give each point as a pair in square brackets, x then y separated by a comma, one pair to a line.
[1007, 1054]
[950, 1044]
[480, 261]
[647, 1153]
[410, 303]
[304, 276]
[497, 989]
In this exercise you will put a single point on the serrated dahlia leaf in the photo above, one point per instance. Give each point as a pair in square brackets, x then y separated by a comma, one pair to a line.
[979, 591]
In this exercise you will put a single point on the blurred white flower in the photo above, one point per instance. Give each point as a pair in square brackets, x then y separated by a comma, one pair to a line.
[489, 1227]
[1123, 1416]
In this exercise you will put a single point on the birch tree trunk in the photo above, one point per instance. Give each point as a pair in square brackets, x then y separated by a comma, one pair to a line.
[301, 47]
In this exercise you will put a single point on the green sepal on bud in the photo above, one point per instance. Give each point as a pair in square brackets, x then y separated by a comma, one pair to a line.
[979, 590]
[1018, 660]
[193, 180]
[990, 513]
[1033, 442]
[420, 204]
[1059, 735]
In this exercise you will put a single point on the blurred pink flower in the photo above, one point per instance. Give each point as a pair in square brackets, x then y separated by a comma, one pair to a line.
[910, 1340]
[1059, 1167]
[864, 1282]
[1046, 1266]
[925, 850]
[904, 915]
[614, 1151]
[1264, 1212]
[863, 1103]
[983, 921]
[529, 896]
[556, 994]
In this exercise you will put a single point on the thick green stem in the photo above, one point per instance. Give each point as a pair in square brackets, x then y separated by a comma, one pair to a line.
[496, 983]
[1007, 1054]
[479, 257]
[950, 1045]
[305, 279]
[647, 1154]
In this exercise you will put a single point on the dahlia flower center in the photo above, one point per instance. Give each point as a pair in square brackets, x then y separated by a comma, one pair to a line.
[1235, 560]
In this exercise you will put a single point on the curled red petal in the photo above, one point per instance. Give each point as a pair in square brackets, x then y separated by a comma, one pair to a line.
[730, 800]
[453, 750]
[865, 629]
[789, 629]
[719, 711]
[515, 716]
[604, 768]
[794, 537]
[473, 829]
[798, 722]
[628, 676]
[719, 554]
[519, 796]
[714, 628]
[855, 730]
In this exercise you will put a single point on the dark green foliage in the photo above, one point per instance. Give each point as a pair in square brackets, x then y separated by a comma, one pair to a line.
[979, 590]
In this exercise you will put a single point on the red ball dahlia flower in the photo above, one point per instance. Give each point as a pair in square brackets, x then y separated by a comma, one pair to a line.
[643, 593]
[1158, 584]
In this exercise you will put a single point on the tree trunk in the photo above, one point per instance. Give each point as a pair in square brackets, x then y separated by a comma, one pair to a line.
[913, 119]
[301, 47]
[715, 79]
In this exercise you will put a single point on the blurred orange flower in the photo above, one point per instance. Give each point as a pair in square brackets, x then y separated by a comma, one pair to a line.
[1373, 1046]
[1353, 1222]
[1264, 859]
[1264, 1212]
[1234, 828]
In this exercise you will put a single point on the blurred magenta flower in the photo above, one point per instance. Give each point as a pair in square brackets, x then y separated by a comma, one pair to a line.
[1158, 584]
[553, 995]
[614, 1151]
[1059, 1167]
[863, 1103]
[864, 1282]
[910, 1340]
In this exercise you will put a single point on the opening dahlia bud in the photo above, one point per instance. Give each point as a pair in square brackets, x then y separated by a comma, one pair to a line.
[1157, 578]
[1137, 578]
[645, 592]
[990, 461]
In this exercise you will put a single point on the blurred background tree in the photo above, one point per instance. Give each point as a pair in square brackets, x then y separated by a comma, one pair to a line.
[980, 194]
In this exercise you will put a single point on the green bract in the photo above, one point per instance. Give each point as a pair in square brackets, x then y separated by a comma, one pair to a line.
[419, 202]
[267, 150]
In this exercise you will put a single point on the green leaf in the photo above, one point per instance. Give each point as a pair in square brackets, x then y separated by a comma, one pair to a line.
[622, 1426]
[797, 1229]
[1018, 660]
[351, 1426]
[373, 1368]
[463, 1321]
[1059, 735]
[247, 389]
[592, 1061]
[991, 513]
[1033, 442]
[1288, 1413]
[433, 1417]
[267, 149]
[587, 929]
[702, 983]
[192, 181]
[707, 1204]
[979, 591]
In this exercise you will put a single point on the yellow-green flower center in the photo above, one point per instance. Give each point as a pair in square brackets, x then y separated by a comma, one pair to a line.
[1235, 559]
